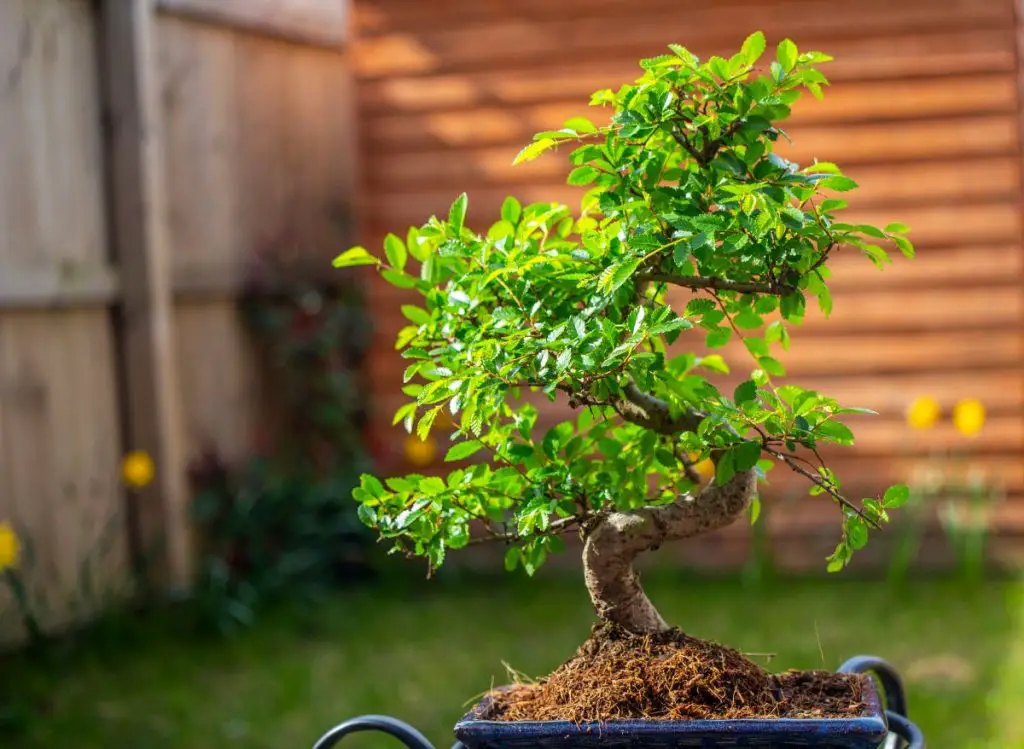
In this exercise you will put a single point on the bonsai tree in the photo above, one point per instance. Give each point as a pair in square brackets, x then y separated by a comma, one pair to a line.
[694, 233]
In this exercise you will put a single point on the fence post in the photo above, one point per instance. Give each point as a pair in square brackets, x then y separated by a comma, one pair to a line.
[138, 233]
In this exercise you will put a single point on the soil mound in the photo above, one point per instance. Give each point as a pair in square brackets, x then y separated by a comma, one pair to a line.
[616, 675]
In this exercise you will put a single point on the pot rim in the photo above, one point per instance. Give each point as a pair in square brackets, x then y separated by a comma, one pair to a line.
[472, 730]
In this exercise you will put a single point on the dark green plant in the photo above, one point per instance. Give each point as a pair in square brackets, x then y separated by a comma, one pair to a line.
[280, 524]
[689, 193]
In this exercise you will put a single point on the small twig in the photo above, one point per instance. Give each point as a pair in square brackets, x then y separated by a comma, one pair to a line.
[699, 283]
[790, 460]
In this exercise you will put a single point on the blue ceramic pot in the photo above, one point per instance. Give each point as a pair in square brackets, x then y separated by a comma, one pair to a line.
[867, 732]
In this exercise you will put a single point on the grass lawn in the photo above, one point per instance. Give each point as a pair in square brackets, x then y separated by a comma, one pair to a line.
[419, 650]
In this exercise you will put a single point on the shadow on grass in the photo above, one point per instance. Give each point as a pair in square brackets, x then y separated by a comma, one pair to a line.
[420, 650]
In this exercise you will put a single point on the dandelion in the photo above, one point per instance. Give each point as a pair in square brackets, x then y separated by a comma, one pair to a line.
[137, 469]
[969, 416]
[10, 547]
[923, 412]
[420, 452]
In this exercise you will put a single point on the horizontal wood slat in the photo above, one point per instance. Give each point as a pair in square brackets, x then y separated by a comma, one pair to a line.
[383, 16]
[482, 122]
[320, 22]
[874, 144]
[506, 42]
[922, 113]
[950, 182]
[573, 83]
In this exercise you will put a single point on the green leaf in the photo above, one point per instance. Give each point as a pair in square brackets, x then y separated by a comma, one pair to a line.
[512, 557]
[772, 366]
[822, 167]
[416, 245]
[896, 496]
[371, 484]
[835, 431]
[462, 450]
[905, 246]
[511, 210]
[432, 485]
[745, 391]
[423, 428]
[748, 320]
[535, 149]
[398, 279]
[581, 125]
[897, 228]
[353, 257]
[580, 326]
[582, 175]
[876, 254]
[416, 314]
[665, 457]
[714, 362]
[614, 276]
[856, 533]
[726, 467]
[746, 455]
[718, 337]
[457, 213]
[394, 248]
[787, 54]
[755, 509]
[400, 485]
[753, 47]
[838, 183]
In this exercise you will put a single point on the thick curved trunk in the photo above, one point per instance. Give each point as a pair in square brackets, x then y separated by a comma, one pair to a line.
[614, 543]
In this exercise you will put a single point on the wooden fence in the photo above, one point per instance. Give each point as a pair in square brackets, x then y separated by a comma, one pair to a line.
[923, 113]
[147, 149]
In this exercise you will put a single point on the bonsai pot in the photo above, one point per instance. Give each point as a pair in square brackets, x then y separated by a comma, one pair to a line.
[475, 731]
[869, 731]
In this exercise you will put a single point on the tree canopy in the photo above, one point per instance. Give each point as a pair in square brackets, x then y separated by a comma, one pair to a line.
[693, 232]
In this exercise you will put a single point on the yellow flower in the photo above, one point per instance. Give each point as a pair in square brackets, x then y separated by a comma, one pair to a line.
[137, 469]
[923, 413]
[969, 416]
[10, 547]
[420, 452]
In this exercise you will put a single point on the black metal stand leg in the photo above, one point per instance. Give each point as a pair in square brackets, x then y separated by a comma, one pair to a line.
[895, 697]
[402, 731]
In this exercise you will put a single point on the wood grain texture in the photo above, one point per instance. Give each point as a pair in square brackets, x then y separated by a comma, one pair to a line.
[320, 22]
[260, 158]
[59, 432]
[138, 195]
[923, 113]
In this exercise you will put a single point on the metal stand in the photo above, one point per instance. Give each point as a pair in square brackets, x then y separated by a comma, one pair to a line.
[905, 733]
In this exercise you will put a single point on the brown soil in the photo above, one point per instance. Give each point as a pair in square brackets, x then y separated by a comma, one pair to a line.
[616, 675]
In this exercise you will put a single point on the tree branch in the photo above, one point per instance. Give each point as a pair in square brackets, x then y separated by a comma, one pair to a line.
[653, 413]
[826, 486]
[555, 528]
[698, 283]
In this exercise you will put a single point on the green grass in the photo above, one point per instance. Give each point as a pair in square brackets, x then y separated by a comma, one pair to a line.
[420, 650]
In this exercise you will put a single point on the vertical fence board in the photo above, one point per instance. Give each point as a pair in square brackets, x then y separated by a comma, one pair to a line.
[139, 234]
[59, 441]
